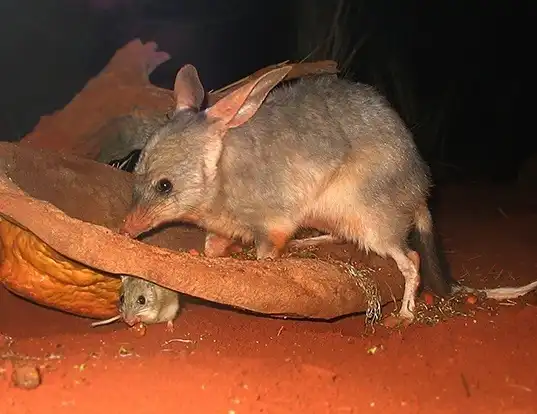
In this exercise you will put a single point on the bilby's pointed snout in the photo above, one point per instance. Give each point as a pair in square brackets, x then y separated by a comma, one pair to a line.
[136, 222]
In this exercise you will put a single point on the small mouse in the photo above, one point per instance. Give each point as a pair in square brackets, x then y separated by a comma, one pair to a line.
[147, 302]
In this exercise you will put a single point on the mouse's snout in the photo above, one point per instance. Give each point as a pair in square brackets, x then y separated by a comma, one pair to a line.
[131, 320]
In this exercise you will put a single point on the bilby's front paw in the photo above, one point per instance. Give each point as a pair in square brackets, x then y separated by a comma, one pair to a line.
[169, 327]
[218, 246]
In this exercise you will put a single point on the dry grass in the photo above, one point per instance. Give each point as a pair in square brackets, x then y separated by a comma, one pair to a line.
[373, 313]
[325, 31]
[443, 309]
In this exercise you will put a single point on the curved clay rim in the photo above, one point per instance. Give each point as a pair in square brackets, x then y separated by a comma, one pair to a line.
[33, 188]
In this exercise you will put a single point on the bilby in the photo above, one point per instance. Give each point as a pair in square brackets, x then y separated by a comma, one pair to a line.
[262, 162]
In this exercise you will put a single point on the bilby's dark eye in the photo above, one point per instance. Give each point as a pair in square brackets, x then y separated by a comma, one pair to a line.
[121, 299]
[164, 186]
[141, 300]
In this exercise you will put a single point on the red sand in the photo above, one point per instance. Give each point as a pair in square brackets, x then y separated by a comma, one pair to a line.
[239, 363]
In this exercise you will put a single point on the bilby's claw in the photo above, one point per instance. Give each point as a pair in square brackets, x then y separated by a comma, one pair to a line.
[169, 326]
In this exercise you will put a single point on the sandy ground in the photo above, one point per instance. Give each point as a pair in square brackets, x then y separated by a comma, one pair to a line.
[222, 361]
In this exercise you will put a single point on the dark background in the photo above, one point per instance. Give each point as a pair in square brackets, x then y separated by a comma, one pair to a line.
[457, 71]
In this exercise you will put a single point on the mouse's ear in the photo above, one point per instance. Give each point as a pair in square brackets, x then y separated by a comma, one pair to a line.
[122, 277]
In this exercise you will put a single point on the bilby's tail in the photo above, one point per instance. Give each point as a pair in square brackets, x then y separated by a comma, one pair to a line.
[434, 270]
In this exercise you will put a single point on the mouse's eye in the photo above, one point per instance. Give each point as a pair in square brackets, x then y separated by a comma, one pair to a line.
[141, 300]
[121, 299]
[164, 186]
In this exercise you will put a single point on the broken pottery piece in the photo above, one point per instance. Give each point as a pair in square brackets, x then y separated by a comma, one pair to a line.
[63, 210]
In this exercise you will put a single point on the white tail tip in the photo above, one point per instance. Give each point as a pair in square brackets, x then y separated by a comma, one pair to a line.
[106, 321]
[504, 293]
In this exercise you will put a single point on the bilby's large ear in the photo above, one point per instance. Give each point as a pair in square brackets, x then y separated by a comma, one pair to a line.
[240, 105]
[188, 90]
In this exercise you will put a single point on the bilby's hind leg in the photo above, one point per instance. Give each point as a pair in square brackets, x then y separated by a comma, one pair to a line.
[384, 234]
[271, 243]
[415, 257]
[408, 268]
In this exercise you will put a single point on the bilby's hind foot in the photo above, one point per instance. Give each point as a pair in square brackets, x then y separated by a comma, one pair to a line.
[415, 258]
[408, 265]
